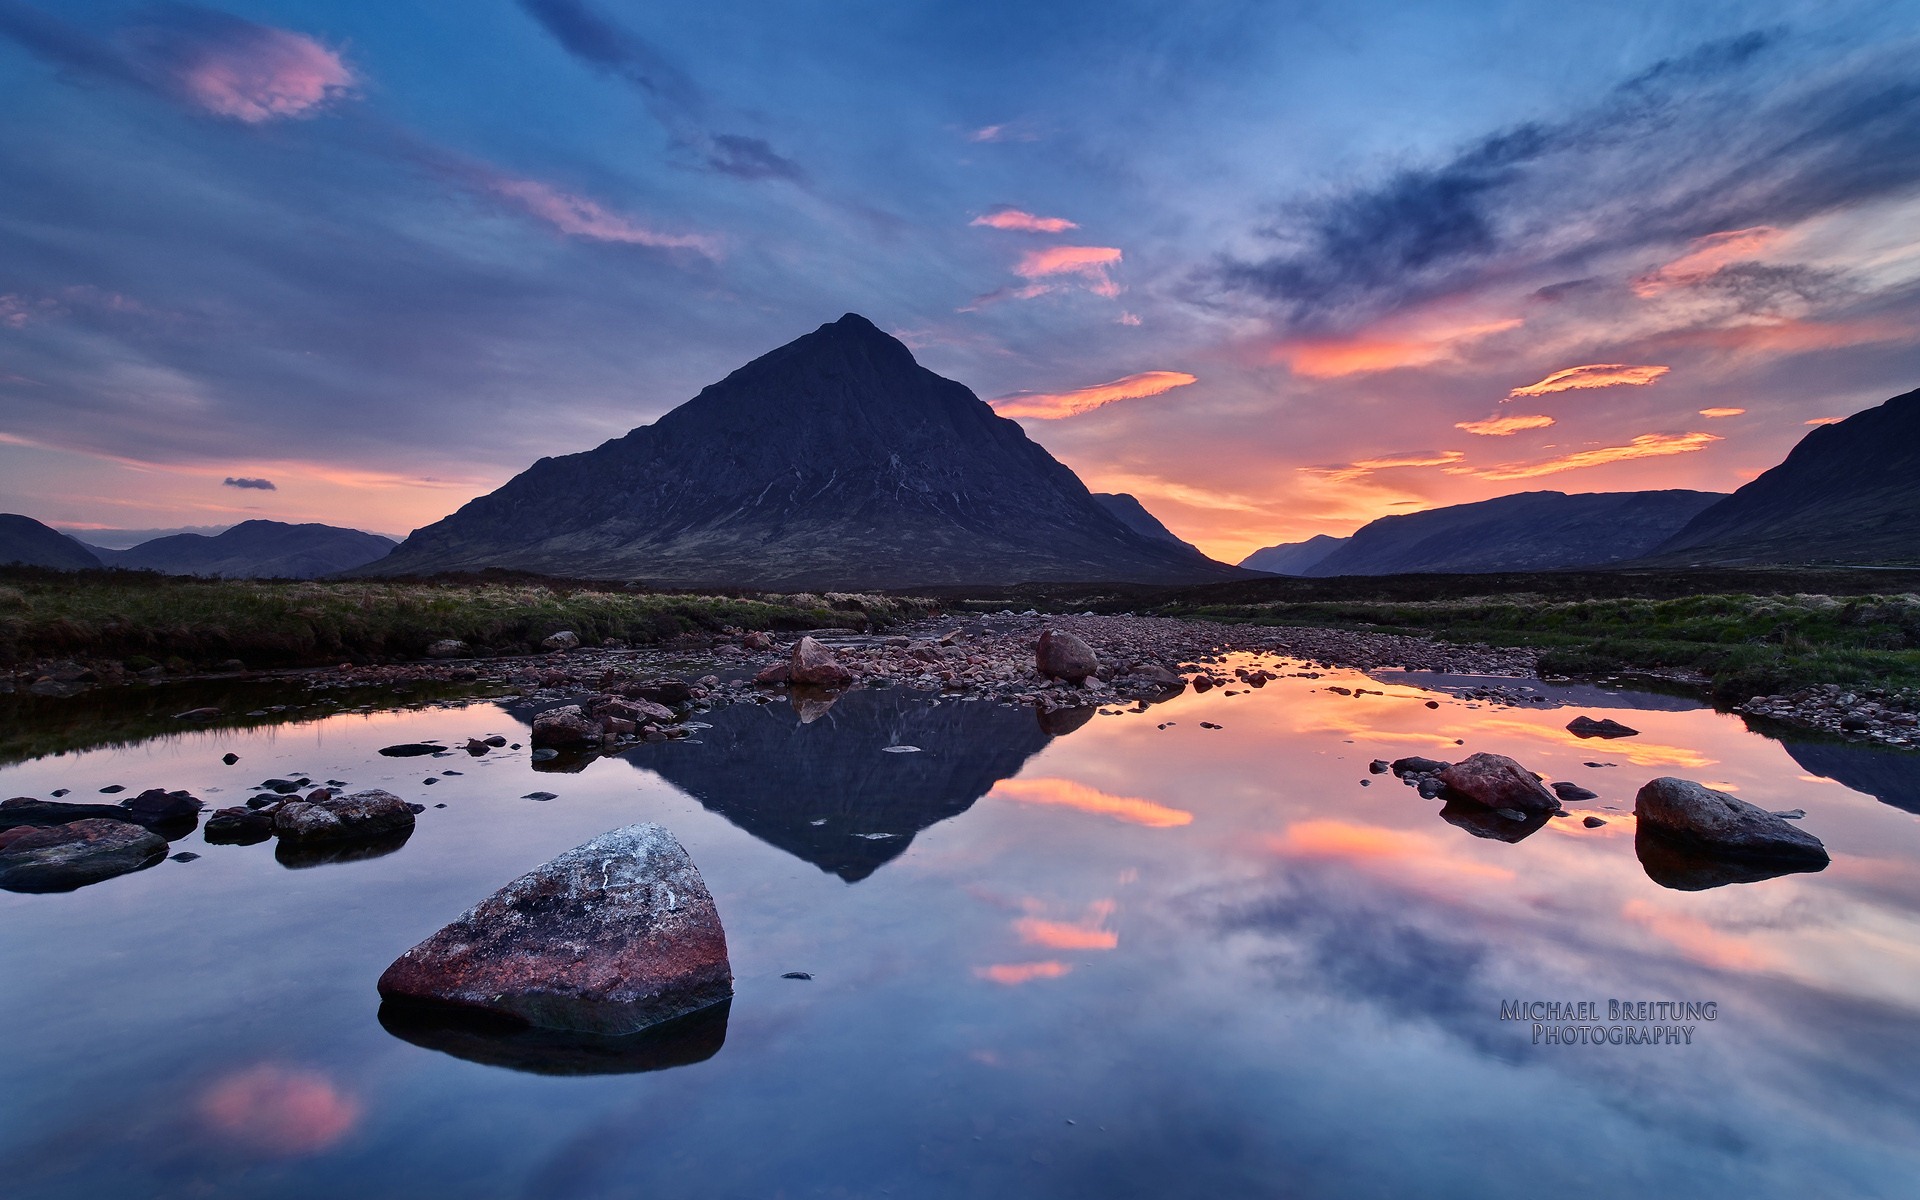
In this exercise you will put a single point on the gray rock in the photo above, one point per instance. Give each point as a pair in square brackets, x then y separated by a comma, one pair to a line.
[566, 639]
[238, 826]
[1587, 727]
[1496, 781]
[1709, 821]
[447, 648]
[610, 937]
[1060, 655]
[65, 857]
[369, 814]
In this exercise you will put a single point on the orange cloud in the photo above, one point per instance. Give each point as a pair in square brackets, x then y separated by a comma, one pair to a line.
[279, 1110]
[1362, 844]
[1049, 406]
[1722, 412]
[1826, 421]
[1025, 222]
[1593, 375]
[1647, 445]
[1014, 974]
[1504, 426]
[1088, 262]
[581, 217]
[1789, 336]
[1069, 794]
[1066, 935]
[1350, 472]
[1329, 358]
[1696, 939]
[261, 74]
[1708, 255]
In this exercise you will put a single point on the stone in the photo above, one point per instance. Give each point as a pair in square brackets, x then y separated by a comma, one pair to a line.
[566, 639]
[565, 726]
[773, 675]
[476, 747]
[447, 648]
[1060, 655]
[27, 812]
[1496, 781]
[229, 758]
[1415, 765]
[640, 712]
[65, 857]
[812, 664]
[667, 692]
[1379, 766]
[756, 640]
[1587, 727]
[611, 937]
[1593, 822]
[411, 750]
[1572, 793]
[1709, 821]
[239, 826]
[363, 815]
[156, 805]
[1158, 676]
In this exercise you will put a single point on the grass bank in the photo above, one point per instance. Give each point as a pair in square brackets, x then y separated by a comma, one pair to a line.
[141, 619]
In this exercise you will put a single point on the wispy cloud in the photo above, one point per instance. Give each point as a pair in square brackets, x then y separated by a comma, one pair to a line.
[1048, 406]
[1068, 793]
[579, 216]
[1647, 445]
[1706, 258]
[1722, 412]
[1504, 426]
[1384, 350]
[1091, 263]
[1025, 222]
[1593, 375]
[1350, 472]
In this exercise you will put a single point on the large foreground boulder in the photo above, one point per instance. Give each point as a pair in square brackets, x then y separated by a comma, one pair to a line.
[1706, 821]
[1060, 655]
[812, 664]
[1496, 781]
[363, 815]
[64, 857]
[610, 937]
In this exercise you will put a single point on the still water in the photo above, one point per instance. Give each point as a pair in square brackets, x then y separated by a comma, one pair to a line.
[1110, 960]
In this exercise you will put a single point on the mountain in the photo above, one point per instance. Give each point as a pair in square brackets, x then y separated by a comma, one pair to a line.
[256, 550]
[1527, 531]
[1134, 516]
[834, 461]
[26, 541]
[1293, 558]
[1848, 493]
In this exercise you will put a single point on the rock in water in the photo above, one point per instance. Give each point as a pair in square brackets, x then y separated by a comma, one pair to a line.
[65, 857]
[1061, 655]
[1587, 727]
[1702, 819]
[368, 814]
[566, 726]
[1496, 781]
[610, 937]
[814, 664]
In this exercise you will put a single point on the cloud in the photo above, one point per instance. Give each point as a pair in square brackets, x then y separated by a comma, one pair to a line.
[1127, 318]
[258, 485]
[1722, 412]
[1025, 222]
[579, 216]
[1049, 406]
[1334, 357]
[1594, 375]
[1088, 934]
[1825, 421]
[1015, 974]
[208, 61]
[1647, 445]
[1067, 793]
[277, 1110]
[1706, 258]
[671, 95]
[1504, 426]
[988, 133]
[1350, 472]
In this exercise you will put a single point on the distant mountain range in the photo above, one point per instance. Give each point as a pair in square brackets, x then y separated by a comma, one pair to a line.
[1293, 558]
[255, 550]
[1527, 531]
[26, 542]
[835, 461]
[1848, 493]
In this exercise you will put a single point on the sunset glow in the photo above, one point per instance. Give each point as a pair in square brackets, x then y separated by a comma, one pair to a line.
[1067, 793]
[1051, 406]
[1595, 375]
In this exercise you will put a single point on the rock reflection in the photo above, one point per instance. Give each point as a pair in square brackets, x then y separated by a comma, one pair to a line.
[300, 855]
[499, 1042]
[823, 790]
[1494, 824]
[1674, 865]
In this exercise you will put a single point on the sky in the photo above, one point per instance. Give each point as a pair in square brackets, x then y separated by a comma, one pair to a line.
[1275, 268]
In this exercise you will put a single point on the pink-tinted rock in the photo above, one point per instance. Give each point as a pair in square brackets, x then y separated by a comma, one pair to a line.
[566, 726]
[775, 673]
[814, 665]
[610, 937]
[1496, 781]
[63, 857]
[1061, 655]
[369, 814]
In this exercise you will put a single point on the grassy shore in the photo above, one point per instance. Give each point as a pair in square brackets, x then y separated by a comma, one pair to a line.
[142, 619]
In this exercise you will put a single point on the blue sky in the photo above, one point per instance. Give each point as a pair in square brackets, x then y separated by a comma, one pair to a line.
[387, 255]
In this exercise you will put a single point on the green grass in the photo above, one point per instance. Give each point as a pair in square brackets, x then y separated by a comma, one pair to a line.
[139, 618]
[1743, 645]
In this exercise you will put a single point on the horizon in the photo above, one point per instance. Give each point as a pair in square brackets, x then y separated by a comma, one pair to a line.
[1273, 273]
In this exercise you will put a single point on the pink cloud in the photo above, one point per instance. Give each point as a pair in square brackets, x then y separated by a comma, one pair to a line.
[277, 1110]
[1593, 375]
[1025, 222]
[1708, 255]
[1089, 263]
[1646, 445]
[254, 73]
[1504, 426]
[1722, 412]
[579, 216]
[1048, 406]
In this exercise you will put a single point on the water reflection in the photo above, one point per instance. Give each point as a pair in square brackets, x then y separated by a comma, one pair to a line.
[1497, 824]
[299, 855]
[1889, 776]
[1683, 868]
[499, 1042]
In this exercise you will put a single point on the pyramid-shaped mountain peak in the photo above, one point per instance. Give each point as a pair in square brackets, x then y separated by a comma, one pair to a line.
[834, 461]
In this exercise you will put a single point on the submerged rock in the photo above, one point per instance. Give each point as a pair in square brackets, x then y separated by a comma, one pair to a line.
[65, 857]
[1706, 821]
[363, 815]
[813, 664]
[1060, 655]
[1496, 781]
[1587, 727]
[610, 937]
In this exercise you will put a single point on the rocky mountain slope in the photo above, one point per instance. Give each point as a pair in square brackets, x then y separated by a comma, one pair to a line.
[1135, 516]
[27, 542]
